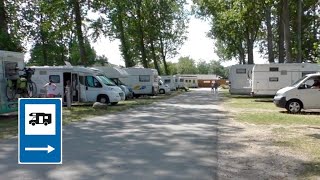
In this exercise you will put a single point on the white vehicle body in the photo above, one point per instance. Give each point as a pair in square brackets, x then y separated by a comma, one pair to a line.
[164, 88]
[179, 82]
[7, 60]
[267, 79]
[239, 79]
[300, 95]
[142, 81]
[170, 81]
[115, 74]
[86, 84]
[190, 81]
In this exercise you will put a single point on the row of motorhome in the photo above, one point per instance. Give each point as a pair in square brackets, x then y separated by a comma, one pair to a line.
[266, 79]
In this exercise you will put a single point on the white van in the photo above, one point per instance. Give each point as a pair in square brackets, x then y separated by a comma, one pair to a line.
[9, 61]
[170, 81]
[267, 79]
[142, 81]
[86, 85]
[164, 88]
[300, 95]
[240, 79]
[114, 73]
[179, 82]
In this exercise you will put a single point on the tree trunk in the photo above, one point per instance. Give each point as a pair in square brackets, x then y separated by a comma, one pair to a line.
[286, 20]
[163, 55]
[270, 37]
[299, 60]
[124, 46]
[242, 56]
[249, 47]
[5, 39]
[78, 21]
[154, 57]
[141, 36]
[280, 32]
[44, 43]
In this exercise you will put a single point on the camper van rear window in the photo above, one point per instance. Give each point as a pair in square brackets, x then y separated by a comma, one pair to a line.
[144, 78]
[241, 71]
[54, 78]
[273, 79]
[43, 72]
[274, 69]
[283, 72]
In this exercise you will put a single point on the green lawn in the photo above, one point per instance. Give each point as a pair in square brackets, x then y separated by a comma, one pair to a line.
[291, 129]
[9, 126]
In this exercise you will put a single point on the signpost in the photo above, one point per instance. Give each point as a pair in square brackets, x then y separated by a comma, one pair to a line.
[40, 131]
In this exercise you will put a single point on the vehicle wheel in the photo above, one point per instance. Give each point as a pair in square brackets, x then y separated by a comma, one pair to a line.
[294, 106]
[162, 91]
[45, 123]
[104, 99]
[33, 123]
[114, 103]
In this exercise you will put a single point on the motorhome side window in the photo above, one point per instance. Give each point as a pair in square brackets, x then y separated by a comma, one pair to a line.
[274, 69]
[181, 80]
[166, 81]
[273, 79]
[54, 78]
[194, 81]
[144, 78]
[92, 82]
[241, 71]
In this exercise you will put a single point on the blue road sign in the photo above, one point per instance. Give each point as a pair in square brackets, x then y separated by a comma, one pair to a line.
[40, 131]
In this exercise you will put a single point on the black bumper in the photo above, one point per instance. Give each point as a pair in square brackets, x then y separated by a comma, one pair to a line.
[280, 102]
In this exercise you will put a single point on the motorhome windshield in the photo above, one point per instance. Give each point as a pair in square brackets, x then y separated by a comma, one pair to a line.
[298, 81]
[106, 80]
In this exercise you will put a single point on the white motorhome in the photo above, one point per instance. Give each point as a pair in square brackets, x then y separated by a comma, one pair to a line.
[115, 73]
[179, 82]
[86, 85]
[142, 81]
[240, 79]
[170, 81]
[164, 88]
[303, 94]
[191, 81]
[267, 79]
[9, 62]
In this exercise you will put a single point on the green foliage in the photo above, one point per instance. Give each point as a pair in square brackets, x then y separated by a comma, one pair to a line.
[186, 65]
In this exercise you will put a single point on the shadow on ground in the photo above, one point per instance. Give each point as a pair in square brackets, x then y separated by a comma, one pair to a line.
[177, 138]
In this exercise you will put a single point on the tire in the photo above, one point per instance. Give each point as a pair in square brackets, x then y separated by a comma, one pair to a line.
[162, 91]
[114, 103]
[45, 123]
[104, 99]
[33, 123]
[294, 106]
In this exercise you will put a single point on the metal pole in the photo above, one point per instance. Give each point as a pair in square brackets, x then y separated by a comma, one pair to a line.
[68, 96]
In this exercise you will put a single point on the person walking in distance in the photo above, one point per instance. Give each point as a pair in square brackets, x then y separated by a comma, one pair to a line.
[215, 86]
[51, 87]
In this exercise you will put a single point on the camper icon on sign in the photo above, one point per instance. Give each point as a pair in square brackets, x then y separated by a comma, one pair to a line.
[40, 118]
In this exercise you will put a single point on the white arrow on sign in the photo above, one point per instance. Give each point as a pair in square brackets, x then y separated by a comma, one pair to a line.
[49, 149]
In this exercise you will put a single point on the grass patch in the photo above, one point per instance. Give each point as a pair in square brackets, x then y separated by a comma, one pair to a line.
[9, 125]
[278, 118]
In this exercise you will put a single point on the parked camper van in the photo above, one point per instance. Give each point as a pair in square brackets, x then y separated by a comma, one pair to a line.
[240, 79]
[170, 81]
[179, 82]
[267, 79]
[142, 81]
[190, 81]
[86, 85]
[10, 62]
[303, 94]
[164, 88]
[115, 73]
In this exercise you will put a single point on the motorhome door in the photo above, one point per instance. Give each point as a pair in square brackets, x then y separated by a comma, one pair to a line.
[75, 87]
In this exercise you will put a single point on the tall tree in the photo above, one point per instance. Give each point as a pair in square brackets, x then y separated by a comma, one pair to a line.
[299, 59]
[78, 22]
[269, 33]
[286, 24]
